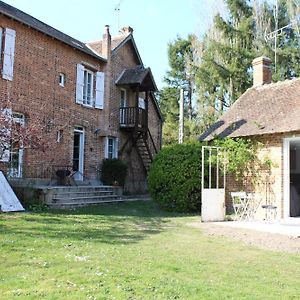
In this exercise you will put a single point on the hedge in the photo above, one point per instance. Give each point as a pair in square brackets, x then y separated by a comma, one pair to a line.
[174, 178]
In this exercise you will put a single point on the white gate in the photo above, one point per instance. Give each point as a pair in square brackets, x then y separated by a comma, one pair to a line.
[213, 184]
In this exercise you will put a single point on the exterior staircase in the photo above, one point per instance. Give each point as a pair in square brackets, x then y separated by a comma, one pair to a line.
[144, 152]
[77, 196]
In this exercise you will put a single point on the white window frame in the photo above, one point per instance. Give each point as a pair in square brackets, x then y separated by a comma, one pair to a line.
[88, 89]
[61, 79]
[18, 118]
[111, 147]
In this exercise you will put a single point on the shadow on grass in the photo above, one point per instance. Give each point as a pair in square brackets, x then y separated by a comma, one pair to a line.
[119, 223]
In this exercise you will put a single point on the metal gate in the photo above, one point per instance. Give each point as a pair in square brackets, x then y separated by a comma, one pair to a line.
[213, 184]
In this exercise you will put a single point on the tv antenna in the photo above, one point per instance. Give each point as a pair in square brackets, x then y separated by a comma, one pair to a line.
[273, 35]
[118, 12]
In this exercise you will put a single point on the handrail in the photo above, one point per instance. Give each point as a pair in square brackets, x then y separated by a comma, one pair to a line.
[132, 116]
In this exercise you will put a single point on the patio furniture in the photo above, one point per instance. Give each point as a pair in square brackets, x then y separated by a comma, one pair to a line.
[238, 204]
[270, 211]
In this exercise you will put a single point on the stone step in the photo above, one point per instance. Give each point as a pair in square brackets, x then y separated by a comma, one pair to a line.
[68, 189]
[69, 205]
[75, 194]
[85, 199]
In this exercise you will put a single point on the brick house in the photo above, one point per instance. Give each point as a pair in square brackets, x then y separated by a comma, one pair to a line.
[94, 100]
[269, 113]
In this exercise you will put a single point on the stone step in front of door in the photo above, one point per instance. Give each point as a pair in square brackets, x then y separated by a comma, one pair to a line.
[85, 199]
[76, 196]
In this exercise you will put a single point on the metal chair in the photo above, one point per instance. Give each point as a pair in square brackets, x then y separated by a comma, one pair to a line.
[239, 206]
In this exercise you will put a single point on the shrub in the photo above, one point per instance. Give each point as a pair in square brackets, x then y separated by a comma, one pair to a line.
[174, 178]
[114, 171]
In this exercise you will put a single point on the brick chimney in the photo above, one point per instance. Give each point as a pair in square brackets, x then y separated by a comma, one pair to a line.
[126, 30]
[106, 43]
[262, 73]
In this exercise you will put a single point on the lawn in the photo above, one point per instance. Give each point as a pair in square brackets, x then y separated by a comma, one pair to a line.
[133, 251]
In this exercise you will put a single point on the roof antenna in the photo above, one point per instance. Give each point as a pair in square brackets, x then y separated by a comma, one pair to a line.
[279, 31]
[118, 12]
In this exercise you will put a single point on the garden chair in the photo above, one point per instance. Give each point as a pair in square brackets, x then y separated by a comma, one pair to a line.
[239, 205]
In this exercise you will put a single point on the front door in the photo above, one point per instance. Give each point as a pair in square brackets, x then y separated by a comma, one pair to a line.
[78, 153]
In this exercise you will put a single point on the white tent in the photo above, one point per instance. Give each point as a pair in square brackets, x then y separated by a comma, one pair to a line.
[8, 199]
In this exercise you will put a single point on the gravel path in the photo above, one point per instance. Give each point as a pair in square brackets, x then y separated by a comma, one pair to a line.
[264, 240]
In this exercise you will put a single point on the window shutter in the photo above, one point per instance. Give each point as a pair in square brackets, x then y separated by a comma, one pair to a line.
[116, 148]
[9, 54]
[1, 36]
[106, 147]
[142, 103]
[99, 102]
[79, 84]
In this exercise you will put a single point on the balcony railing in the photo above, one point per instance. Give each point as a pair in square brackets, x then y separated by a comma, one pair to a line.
[131, 117]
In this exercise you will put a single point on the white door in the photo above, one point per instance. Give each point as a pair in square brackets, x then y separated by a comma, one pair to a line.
[213, 184]
[78, 153]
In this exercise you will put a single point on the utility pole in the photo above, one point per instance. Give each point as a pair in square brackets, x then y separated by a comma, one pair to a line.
[181, 117]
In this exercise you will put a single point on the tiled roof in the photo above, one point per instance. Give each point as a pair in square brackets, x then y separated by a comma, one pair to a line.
[115, 42]
[32, 22]
[267, 109]
[137, 76]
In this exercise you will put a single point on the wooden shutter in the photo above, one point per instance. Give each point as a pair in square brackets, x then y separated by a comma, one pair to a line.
[106, 147]
[99, 101]
[1, 36]
[79, 83]
[116, 154]
[9, 54]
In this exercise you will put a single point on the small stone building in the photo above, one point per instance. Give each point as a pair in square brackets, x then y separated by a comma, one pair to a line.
[268, 113]
[93, 100]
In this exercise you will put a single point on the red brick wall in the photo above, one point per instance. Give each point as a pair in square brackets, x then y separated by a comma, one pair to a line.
[36, 93]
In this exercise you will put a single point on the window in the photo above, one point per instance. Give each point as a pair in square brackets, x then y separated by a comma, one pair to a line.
[16, 150]
[89, 87]
[62, 79]
[88, 79]
[111, 147]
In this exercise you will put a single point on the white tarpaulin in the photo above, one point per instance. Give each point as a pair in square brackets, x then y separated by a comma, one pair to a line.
[8, 199]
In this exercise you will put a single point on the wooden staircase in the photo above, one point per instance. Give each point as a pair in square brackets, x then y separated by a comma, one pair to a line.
[144, 145]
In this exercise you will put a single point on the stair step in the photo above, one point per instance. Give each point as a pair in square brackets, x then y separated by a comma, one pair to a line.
[82, 194]
[84, 199]
[81, 204]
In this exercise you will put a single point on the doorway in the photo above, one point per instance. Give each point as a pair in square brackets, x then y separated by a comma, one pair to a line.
[292, 177]
[78, 153]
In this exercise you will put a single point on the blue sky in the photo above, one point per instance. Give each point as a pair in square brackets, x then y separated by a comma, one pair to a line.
[155, 22]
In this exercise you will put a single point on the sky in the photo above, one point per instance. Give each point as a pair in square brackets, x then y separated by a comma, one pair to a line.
[155, 22]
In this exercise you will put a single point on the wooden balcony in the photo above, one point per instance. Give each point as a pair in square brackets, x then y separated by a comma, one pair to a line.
[133, 118]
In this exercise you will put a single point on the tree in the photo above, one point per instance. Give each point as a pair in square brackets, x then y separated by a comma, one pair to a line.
[226, 54]
[14, 133]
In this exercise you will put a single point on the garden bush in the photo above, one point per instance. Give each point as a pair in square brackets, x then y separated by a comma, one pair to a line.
[114, 172]
[174, 178]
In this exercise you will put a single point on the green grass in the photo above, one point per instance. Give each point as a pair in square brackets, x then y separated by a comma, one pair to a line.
[133, 251]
